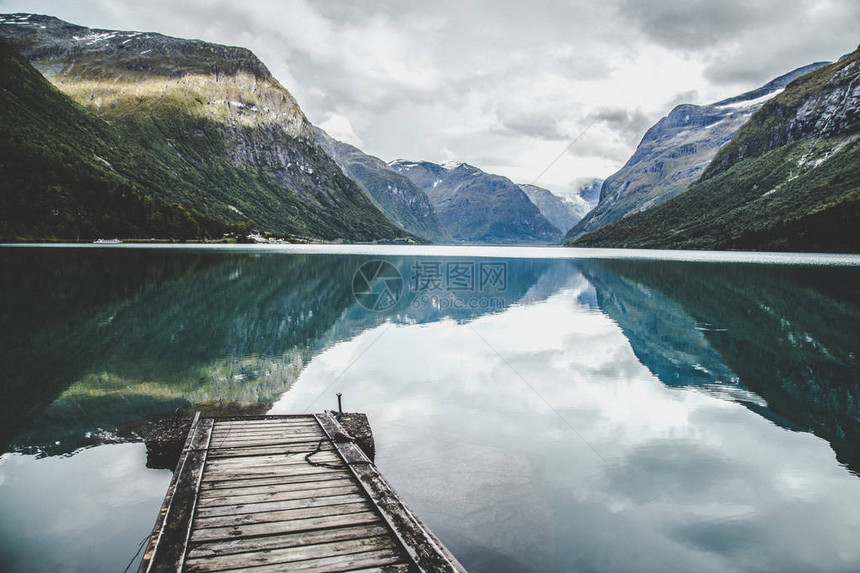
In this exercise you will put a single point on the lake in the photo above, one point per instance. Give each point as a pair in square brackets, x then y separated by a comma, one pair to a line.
[539, 409]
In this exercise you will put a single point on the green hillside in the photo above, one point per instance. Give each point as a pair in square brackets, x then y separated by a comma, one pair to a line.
[789, 180]
[203, 126]
[57, 180]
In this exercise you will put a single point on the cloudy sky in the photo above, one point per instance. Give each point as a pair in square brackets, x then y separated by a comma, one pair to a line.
[506, 86]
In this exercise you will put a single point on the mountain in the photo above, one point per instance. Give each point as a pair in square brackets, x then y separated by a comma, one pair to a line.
[111, 342]
[477, 207]
[789, 336]
[207, 128]
[789, 180]
[396, 196]
[58, 180]
[674, 152]
[562, 212]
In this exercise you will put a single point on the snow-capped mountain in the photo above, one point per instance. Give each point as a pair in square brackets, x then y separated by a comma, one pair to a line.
[563, 212]
[789, 179]
[395, 194]
[478, 207]
[674, 152]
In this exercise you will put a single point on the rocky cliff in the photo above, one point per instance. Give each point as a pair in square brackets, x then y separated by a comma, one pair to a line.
[215, 131]
[674, 153]
[788, 180]
[58, 177]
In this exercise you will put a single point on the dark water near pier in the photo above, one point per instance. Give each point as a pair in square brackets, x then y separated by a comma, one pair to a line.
[539, 414]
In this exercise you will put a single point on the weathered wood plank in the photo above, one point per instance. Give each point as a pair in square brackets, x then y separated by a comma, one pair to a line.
[424, 549]
[229, 500]
[241, 488]
[264, 426]
[241, 496]
[287, 515]
[269, 429]
[228, 440]
[271, 442]
[297, 470]
[146, 560]
[273, 448]
[252, 424]
[285, 464]
[258, 427]
[241, 473]
[280, 437]
[278, 459]
[288, 448]
[259, 507]
[253, 500]
[308, 420]
[264, 419]
[169, 550]
[288, 556]
[210, 549]
[290, 443]
[227, 451]
[268, 421]
[330, 456]
[332, 564]
[279, 431]
[422, 546]
[267, 443]
[263, 472]
[261, 417]
[284, 527]
[398, 568]
[278, 480]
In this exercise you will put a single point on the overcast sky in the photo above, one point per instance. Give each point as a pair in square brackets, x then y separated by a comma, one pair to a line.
[503, 85]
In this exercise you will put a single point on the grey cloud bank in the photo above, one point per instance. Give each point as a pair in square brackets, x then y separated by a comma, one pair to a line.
[499, 84]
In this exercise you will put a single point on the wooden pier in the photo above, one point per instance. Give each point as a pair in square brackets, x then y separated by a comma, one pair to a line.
[285, 493]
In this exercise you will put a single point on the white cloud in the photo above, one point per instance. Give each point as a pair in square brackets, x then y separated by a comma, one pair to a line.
[338, 127]
[500, 84]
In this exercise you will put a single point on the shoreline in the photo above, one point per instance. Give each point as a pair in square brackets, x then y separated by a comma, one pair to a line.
[478, 251]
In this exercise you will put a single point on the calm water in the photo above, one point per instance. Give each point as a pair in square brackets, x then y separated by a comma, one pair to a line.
[684, 412]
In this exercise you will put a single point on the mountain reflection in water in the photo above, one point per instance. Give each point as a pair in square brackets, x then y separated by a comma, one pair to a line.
[674, 405]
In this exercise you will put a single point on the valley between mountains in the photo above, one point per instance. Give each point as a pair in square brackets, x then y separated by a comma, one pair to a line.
[136, 135]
